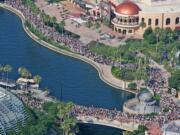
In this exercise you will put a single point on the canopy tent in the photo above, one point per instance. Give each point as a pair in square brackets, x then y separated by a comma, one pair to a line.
[78, 20]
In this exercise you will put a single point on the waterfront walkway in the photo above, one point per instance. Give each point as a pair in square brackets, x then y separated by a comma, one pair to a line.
[103, 66]
[107, 122]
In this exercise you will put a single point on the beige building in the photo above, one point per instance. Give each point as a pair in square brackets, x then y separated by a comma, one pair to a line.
[129, 15]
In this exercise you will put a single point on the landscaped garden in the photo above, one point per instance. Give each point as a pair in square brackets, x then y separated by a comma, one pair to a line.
[160, 45]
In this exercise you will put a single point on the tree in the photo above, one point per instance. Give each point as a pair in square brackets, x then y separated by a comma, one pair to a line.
[162, 36]
[142, 24]
[147, 32]
[170, 35]
[149, 35]
[132, 86]
[151, 38]
[157, 32]
[7, 70]
[62, 25]
[174, 80]
[67, 121]
[53, 20]
[37, 79]
[24, 72]
[2, 70]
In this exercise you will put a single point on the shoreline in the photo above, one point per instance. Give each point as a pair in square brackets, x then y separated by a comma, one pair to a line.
[97, 66]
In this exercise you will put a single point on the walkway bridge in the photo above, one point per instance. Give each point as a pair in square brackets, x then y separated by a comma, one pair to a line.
[105, 117]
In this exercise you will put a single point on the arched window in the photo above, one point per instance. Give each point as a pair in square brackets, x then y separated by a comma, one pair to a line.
[149, 21]
[124, 32]
[94, 13]
[168, 21]
[142, 20]
[119, 30]
[98, 14]
[177, 20]
[156, 22]
[137, 19]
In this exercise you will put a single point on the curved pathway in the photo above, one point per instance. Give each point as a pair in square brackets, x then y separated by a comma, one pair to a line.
[103, 70]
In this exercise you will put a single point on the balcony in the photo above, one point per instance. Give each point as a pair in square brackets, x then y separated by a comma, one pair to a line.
[124, 24]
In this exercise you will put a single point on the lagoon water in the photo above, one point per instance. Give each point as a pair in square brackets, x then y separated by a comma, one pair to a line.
[80, 81]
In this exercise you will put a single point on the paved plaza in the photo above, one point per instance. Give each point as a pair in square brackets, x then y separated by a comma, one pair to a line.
[70, 13]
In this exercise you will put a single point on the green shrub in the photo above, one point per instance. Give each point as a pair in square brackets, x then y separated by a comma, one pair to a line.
[143, 90]
[132, 86]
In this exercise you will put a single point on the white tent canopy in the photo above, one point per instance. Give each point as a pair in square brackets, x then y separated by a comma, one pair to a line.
[78, 20]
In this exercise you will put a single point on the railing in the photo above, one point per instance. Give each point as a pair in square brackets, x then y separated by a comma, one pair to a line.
[123, 24]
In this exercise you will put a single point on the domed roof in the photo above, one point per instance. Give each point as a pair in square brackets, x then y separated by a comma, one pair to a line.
[145, 96]
[127, 8]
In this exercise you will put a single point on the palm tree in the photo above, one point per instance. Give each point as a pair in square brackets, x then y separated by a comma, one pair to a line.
[53, 20]
[67, 121]
[37, 79]
[2, 71]
[142, 25]
[170, 36]
[46, 89]
[7, 70]
[157, 32]
[62, 24]
[24, 73]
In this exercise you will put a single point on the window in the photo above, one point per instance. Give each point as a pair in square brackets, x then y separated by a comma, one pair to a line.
[142, 20]
[168, 21]
[177, 20]
[119, 30]
[137, 19]
[94, 13]
[156, 22]
[149, 21]
[130, 31]
[116, 29]
[98, 14]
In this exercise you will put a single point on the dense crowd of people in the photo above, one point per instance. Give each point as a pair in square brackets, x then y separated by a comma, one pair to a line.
[30, 101]
[74, 44]
[156, 82]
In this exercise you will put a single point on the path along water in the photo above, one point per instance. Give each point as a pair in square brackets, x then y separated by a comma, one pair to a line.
[80, 81]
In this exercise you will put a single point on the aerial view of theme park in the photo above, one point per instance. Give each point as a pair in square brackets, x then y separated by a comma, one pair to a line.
[89, 67]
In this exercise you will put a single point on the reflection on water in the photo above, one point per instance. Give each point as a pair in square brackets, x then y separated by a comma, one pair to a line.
[89, 129]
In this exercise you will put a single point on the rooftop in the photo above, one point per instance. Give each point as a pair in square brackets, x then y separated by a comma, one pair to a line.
[127, 8]
[159, 9]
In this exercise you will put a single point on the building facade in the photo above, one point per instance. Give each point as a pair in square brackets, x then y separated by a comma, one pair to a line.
[134, 16]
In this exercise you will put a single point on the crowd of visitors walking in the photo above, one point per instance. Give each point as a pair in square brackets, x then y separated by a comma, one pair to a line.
[156, 82]
[74, 44]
